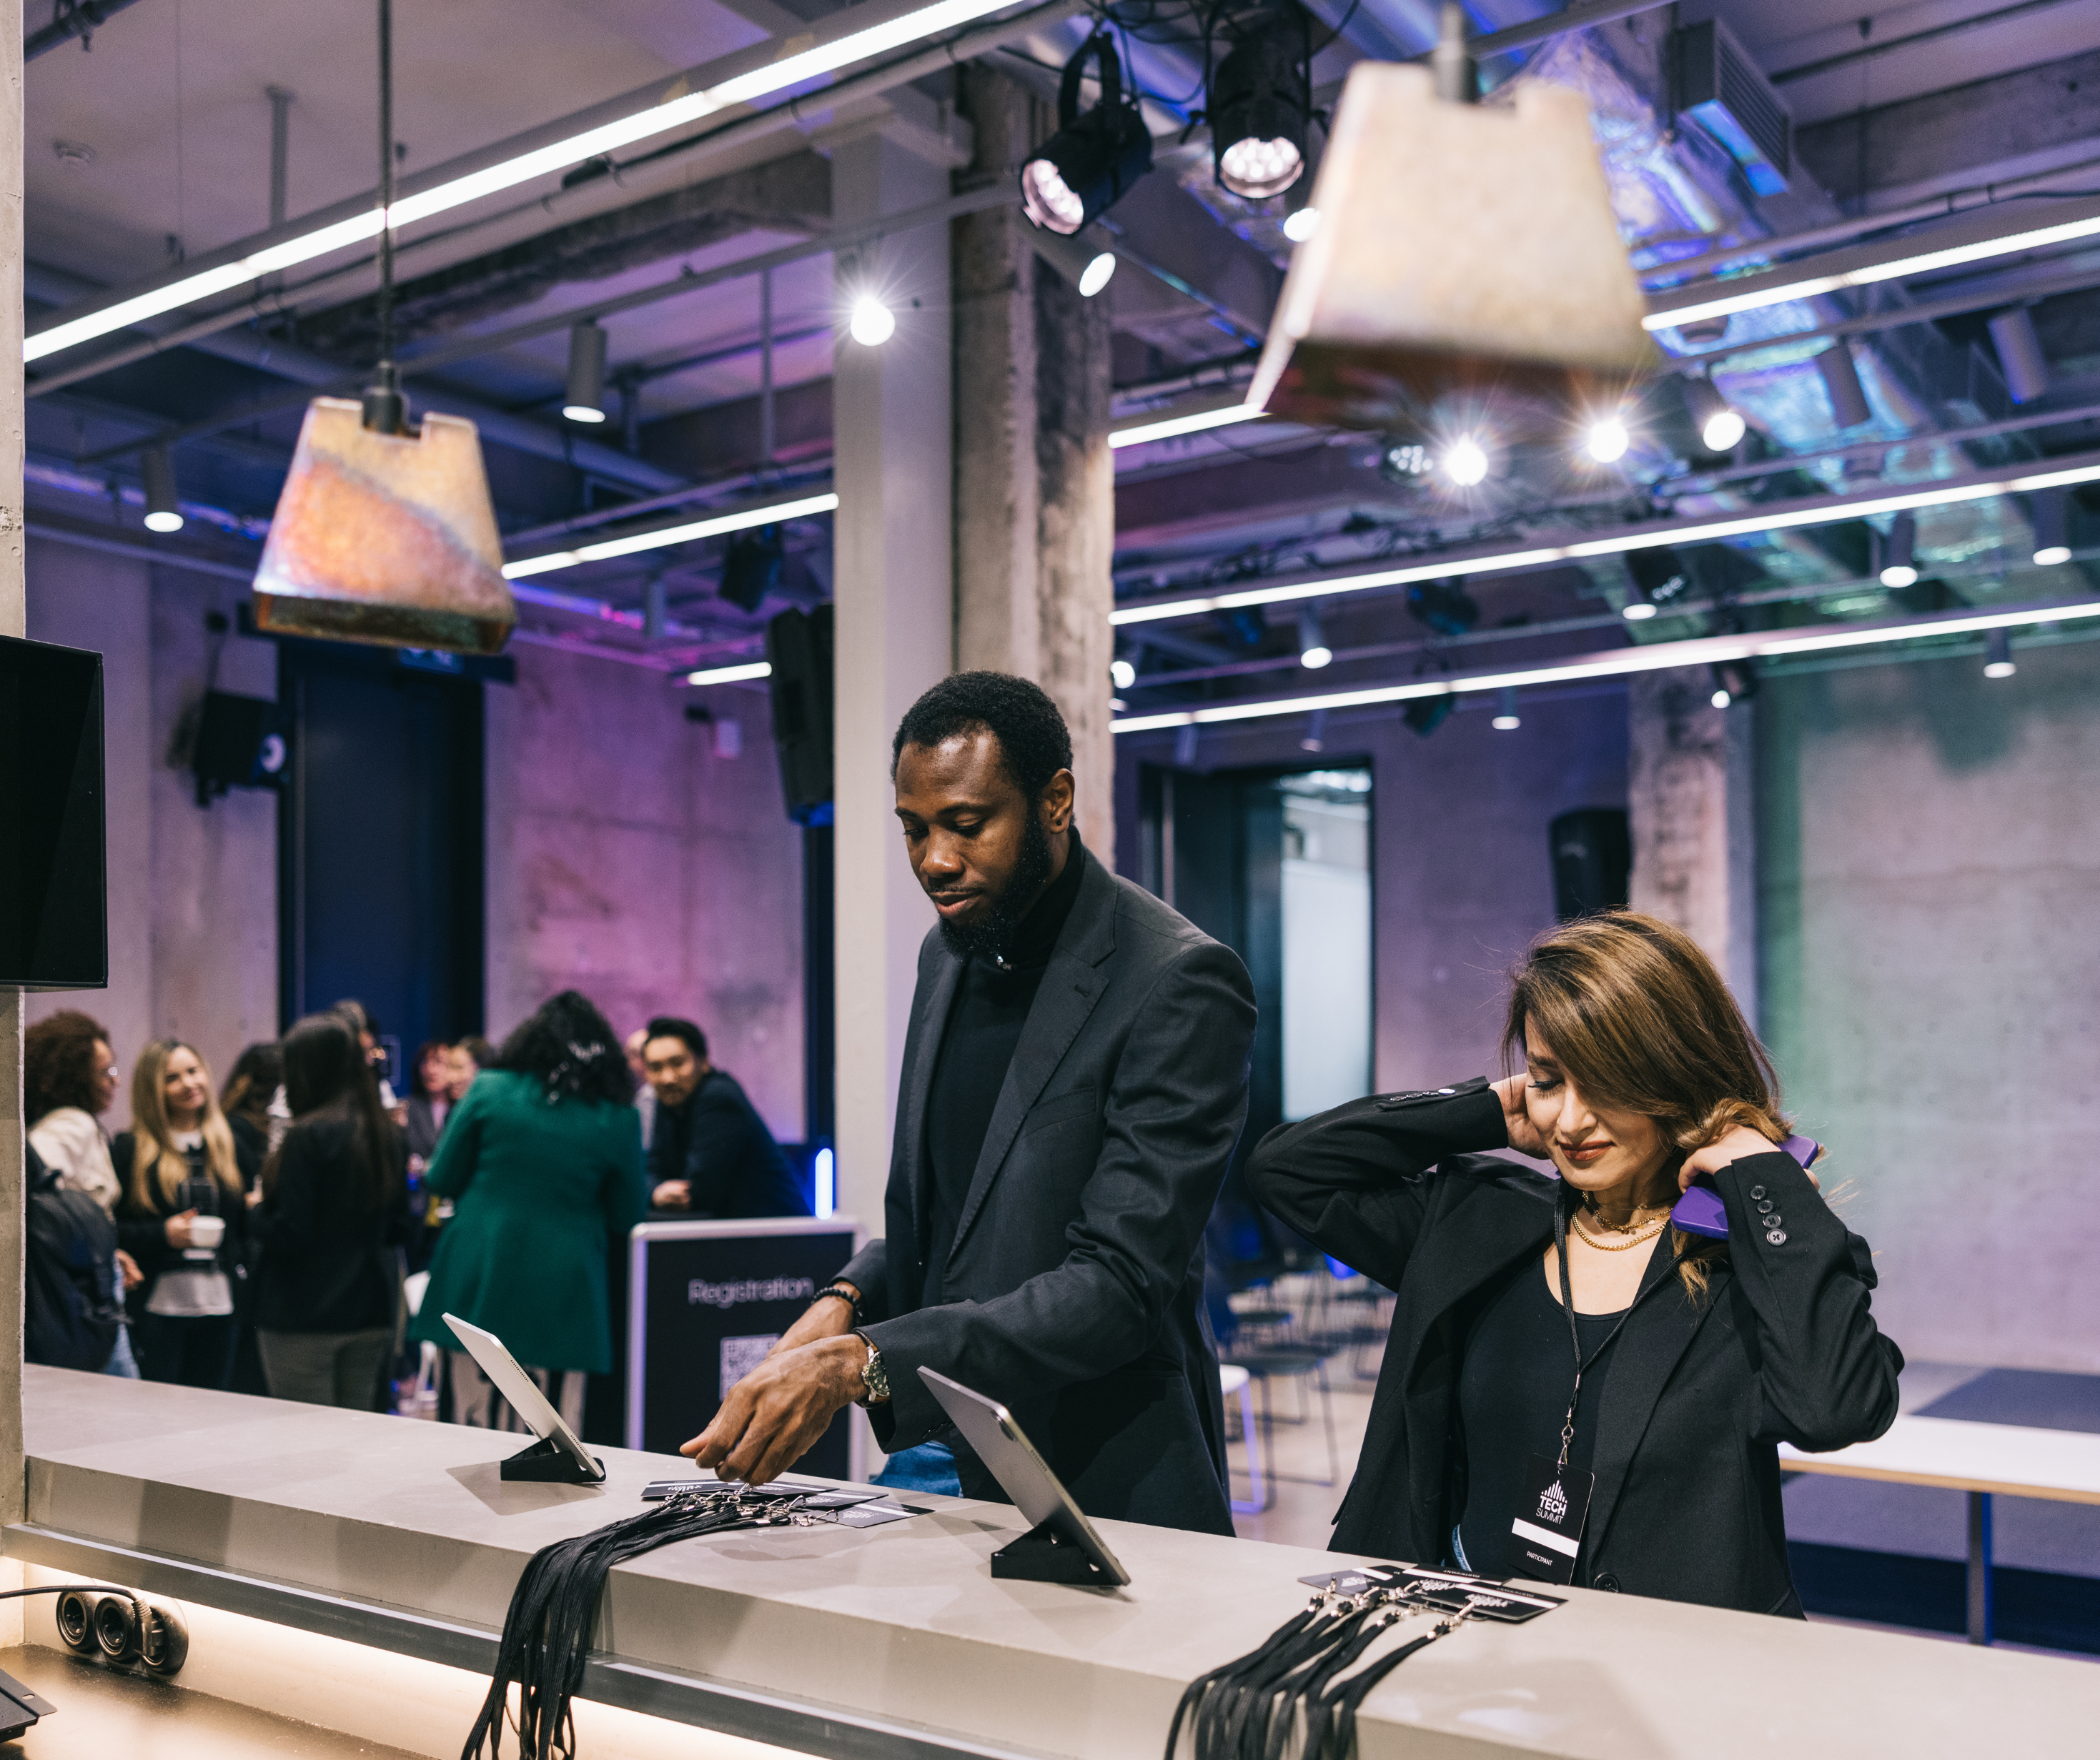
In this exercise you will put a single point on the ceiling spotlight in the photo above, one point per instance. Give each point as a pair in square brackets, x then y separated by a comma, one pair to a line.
[1734, 681]
[1607, 440]
[1507, 719]
[1721, 425]
[1998, 655]
[1316, 731]
[1121, 673]
[1841, 381]
[1299, 226]
[1313, 652]
[162, 514]
[872, 324]
[2051, 515]
[585, 399]
[1659, 578]
[1259, 101]
[1083, 263]
[1898, 568]
[1465, 462]
[1092, 160]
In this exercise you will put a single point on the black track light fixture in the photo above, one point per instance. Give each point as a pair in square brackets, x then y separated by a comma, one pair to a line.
[1090, 162]
[1258, 99]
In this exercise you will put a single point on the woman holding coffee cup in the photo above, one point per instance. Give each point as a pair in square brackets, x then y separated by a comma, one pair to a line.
[183, 1216]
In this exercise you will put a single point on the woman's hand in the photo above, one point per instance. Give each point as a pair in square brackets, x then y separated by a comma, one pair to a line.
[1523, 1135]
[177, 1229]
[672, 1194]
[133, 1276]
[1732, 1146]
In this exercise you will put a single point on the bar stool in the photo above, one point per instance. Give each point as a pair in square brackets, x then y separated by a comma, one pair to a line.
[1237, 1384]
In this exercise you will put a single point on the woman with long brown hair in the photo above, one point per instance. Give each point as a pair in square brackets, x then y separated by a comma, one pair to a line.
[184, 1216]
[1575, 1388]
[330, 1223]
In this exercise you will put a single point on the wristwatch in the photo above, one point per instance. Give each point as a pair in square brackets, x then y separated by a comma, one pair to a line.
[874, 1374]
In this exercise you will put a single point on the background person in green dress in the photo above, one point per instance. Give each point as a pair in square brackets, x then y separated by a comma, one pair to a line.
[543, 1161]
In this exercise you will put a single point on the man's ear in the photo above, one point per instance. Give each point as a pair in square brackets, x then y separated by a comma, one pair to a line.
[1056, 802]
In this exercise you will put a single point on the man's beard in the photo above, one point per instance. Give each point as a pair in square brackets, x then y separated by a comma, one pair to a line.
[992, 932]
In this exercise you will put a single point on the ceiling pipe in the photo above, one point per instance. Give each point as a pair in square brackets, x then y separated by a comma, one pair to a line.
[82, 22]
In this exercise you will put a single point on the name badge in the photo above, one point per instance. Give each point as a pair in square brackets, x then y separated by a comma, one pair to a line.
[1548, 1521]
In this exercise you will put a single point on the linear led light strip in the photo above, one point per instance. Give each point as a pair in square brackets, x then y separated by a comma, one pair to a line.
[731, 675]
[1618, 543]
[1924, 262]
[1656, 657]
[740, 521]
[1166, 427]
[557, 156]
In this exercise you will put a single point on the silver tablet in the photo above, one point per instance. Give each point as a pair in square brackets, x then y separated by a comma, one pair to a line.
[989, 1428]
[523, 1392]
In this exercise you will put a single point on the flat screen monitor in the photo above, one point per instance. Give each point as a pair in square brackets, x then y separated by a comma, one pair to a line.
[54, 905]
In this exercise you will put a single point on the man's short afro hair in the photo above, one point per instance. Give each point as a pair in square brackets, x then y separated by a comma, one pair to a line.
[1032, 736]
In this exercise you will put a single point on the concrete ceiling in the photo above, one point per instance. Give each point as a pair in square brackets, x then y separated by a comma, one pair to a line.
[171, 105]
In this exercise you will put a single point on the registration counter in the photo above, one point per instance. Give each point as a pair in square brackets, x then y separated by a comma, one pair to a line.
[895, 1641]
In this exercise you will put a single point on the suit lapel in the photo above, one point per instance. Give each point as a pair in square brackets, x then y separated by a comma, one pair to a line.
[1073, 984]
[1658, 1333]
[928, 1031]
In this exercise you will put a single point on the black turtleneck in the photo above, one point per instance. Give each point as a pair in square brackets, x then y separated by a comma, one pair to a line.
[993, 997]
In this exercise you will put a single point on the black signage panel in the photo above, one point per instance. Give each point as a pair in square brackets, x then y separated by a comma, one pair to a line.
[705, 1306]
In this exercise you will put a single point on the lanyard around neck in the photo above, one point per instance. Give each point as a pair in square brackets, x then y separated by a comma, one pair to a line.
[1574, 1335]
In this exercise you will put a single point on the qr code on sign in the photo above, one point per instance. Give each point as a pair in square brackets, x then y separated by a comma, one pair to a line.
[740, 1356]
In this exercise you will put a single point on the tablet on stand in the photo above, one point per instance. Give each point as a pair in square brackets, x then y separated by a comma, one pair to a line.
[1062, 1546]
[559, 1456]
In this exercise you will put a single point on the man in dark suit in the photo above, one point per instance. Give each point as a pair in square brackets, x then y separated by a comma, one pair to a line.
[709, 1151]
[1074, 1080]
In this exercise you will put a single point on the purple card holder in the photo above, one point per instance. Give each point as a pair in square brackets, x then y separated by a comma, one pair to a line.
[1700, 1212]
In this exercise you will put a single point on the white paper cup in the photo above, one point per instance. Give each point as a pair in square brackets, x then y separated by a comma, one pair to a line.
[207, 1230]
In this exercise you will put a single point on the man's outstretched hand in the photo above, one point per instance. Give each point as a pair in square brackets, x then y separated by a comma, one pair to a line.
[775, 1413]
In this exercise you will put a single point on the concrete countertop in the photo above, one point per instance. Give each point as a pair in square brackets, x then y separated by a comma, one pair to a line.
[367, 1525]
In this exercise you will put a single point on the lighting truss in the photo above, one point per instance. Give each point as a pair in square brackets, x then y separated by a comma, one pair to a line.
[2020, 478]
[1654, 657]
[872, 28]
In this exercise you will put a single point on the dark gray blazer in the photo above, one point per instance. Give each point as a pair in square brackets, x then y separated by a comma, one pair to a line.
[1075, 1283]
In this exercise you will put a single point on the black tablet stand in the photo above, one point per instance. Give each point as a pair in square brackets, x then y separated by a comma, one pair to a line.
[545, 1463]
[1043, 1554]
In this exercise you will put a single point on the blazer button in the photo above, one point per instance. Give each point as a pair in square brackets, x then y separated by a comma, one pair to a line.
[1764, 1203]
[1757, 1192]
[1776, 1238]
[1605, 1580]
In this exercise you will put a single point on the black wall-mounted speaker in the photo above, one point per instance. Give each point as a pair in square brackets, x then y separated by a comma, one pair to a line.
[241, 742]
[1593, 861]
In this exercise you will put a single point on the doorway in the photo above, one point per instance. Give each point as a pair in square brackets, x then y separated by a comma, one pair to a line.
[380, 844]
[1276, 862]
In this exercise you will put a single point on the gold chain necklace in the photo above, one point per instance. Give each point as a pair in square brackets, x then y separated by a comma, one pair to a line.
[1647, 1231]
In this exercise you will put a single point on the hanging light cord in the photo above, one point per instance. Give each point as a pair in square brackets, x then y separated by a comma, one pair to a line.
[1251, 1708]
[547, 1631]
[383, 407]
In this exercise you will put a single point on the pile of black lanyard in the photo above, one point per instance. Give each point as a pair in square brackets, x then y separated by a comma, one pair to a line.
[1298, 1677]
[547, 1633]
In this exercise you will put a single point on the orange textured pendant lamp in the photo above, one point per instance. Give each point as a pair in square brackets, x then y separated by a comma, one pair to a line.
[385, 532]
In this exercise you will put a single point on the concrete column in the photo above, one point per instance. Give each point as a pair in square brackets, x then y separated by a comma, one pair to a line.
[1034, 480]
[893, 421]
[1690, 769]
[14, 608]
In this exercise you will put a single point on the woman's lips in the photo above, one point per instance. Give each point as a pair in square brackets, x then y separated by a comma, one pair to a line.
[1588, 1153]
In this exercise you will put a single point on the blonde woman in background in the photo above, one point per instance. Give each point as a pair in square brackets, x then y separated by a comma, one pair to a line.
[184, 1216]
[69, 1079]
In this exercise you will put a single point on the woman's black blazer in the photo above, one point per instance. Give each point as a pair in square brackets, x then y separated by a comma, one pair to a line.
[1781, 1348]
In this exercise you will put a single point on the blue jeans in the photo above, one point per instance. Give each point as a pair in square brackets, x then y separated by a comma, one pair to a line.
[930, 1467]
[122, 1361]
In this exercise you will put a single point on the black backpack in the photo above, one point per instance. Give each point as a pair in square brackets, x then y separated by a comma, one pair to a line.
[69, 1318]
